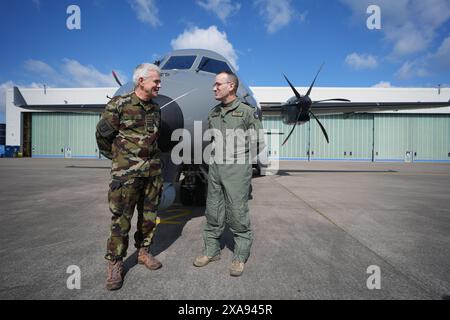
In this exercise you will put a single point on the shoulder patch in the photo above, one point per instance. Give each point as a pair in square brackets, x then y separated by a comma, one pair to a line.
[255, 114]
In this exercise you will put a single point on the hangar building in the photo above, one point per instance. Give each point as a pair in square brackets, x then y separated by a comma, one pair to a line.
[406, 136]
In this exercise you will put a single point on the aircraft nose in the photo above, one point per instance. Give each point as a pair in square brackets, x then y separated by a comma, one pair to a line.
[171, 120]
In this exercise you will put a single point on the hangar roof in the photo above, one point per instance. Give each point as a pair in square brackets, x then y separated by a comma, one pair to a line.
[265, 95]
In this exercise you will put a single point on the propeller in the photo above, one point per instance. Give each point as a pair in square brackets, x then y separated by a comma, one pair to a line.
[321, 127]
[292, 130]
[337, 99]
[116, 78]
[305, 103]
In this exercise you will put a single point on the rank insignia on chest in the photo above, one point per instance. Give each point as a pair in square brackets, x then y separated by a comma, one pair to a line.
[237, 114]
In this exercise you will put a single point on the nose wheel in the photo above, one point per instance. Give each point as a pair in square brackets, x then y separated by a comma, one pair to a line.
[193, 189]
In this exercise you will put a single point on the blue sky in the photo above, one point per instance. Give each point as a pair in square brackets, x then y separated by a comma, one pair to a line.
[263, 38]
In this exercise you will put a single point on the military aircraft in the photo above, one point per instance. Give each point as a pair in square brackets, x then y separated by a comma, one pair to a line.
[186, 97]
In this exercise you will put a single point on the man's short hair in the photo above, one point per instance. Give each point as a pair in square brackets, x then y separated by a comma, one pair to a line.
[232, 77]
[143, 70]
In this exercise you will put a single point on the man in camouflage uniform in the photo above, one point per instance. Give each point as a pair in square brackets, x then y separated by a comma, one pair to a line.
[128, 133]
[229, 177]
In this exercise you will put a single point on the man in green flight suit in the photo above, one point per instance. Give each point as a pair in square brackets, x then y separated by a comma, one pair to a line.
[230, 173]
[128, 134]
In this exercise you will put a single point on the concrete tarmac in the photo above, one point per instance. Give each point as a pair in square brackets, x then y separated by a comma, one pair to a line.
[322, 230]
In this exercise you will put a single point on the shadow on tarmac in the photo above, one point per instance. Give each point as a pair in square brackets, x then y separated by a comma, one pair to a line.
[82, 167]
[171, 225]
[286, 172]
[172, 222]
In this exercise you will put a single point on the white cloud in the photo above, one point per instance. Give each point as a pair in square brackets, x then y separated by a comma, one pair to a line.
[146, 11]
[413, 69]
[3, 87]
[210, 39]
[361, 61]
[409, 25]
[39, 67]
[407, 40]
[70, 73]
[276, 13]
[87, 76]
[222, 8]
[442, 56]
[383, 84]
[428, 64]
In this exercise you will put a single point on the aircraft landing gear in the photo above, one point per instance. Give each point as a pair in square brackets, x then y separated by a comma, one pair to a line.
[193, 187]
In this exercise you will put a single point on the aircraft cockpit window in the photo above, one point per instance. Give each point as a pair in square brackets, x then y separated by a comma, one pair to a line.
[179, 62]
[213, 66]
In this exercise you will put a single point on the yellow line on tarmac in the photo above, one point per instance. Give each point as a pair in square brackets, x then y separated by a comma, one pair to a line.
[168, 219]
[177, 216]
[170, 222]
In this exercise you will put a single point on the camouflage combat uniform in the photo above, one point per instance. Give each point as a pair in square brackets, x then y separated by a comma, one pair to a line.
[127, 133]
[229, 183]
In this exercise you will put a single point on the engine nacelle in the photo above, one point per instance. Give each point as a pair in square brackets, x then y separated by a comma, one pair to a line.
[289, 115]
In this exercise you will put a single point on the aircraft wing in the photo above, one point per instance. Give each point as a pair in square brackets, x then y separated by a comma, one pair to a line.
[328, 108]
[19, 101]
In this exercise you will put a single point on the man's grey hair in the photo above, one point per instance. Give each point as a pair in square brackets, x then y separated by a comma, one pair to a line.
[143, 70]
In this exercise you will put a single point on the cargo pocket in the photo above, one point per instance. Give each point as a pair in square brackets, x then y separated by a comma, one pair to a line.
[158, 182]
[155, 168]
[115, 198]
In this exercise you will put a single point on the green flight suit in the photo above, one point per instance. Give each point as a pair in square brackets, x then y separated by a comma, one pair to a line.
[229, 183]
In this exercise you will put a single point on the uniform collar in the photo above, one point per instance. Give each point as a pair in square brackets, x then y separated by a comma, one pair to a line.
[233, 106]
[136, 101]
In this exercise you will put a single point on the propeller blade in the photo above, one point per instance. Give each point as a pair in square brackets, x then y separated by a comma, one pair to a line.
[314, 81]
[337, 99]
[116, 78]
[292, 87]
[321, 127]
[292, 130]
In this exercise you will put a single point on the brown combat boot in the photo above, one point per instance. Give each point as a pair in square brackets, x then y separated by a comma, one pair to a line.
[202, 261]
[237, 268]
[115, 275]
[145, 258]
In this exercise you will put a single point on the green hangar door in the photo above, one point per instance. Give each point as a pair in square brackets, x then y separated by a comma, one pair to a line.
[64, 135]
[412, 137]
[351, 138]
